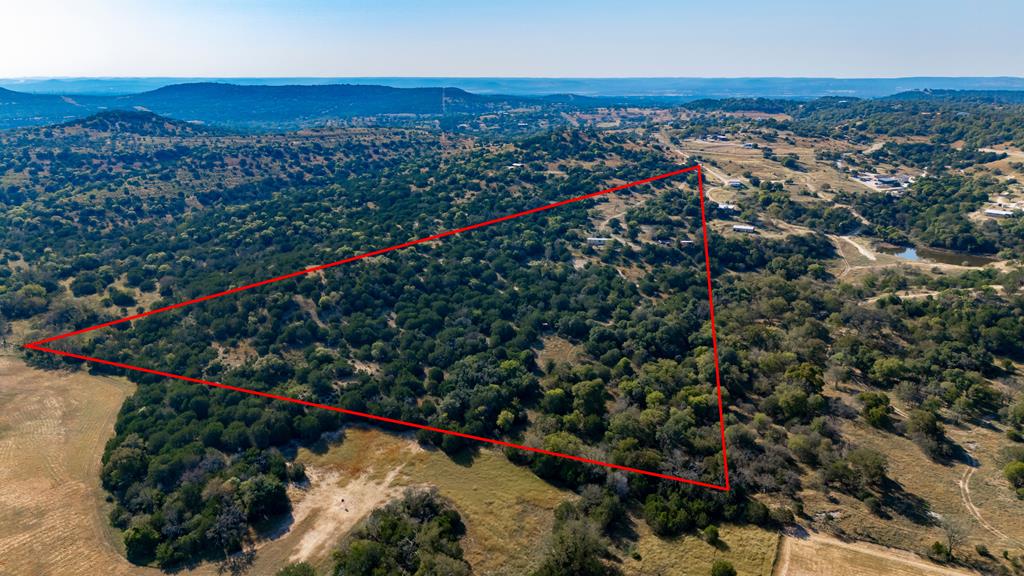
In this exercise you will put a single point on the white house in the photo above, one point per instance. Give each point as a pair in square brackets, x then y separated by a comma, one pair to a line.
[745, 228]
[994, 213]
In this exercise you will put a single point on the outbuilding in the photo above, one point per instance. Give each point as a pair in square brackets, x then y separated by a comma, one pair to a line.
[995, 213]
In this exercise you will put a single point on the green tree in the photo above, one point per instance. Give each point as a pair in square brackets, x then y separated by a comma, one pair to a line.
[297, 569]
[722, 568]
[576, 549]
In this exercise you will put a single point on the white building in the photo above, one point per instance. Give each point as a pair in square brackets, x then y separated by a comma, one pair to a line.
[994, 213]
[744, 228]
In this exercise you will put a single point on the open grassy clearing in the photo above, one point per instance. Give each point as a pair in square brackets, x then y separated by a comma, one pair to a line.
[749, 549]
[53, 427]
[731, 160]
[507, 510]
[558, 350]
[818, 555]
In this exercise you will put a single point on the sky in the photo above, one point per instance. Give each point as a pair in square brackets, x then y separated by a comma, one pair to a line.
[532, 38]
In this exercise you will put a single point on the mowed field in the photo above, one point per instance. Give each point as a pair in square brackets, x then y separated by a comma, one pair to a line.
[824, 556]
[53, 427]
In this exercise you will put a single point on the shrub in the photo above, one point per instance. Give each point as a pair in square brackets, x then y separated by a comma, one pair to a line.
[722, 568]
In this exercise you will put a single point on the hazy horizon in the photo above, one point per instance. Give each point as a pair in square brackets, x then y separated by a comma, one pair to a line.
[678, 88]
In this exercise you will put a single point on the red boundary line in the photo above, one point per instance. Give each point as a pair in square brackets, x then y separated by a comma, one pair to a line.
[37, 345]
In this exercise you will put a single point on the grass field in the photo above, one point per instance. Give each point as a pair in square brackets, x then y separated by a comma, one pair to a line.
[975, 498]
[53, 427]
[823, 556]
[940, 485]
[507, 510]
[749, 549]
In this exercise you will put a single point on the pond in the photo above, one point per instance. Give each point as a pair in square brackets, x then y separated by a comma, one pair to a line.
[926, 254]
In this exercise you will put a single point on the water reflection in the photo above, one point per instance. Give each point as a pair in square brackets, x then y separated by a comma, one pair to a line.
[926, 254]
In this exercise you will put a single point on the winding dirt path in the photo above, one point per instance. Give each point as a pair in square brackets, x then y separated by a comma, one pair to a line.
[965, 494]
[864, 251]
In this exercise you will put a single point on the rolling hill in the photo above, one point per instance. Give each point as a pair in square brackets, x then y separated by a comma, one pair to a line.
[262, 106]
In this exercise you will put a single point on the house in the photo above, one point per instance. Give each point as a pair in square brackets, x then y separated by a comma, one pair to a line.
[686, 243]
[735, 184]
[595, 241]
[750, 145]
[724, 206]
[744, 228]
[995, 213]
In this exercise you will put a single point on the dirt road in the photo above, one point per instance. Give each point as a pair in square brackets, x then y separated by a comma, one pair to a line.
[965, 494]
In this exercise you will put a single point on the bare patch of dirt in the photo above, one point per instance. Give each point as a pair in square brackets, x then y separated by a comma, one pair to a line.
[332, 507]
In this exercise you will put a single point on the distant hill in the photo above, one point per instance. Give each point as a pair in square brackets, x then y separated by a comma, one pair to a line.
[974, 96]
[262, 106]
[231, 103]
[138, 122]
[22, 109]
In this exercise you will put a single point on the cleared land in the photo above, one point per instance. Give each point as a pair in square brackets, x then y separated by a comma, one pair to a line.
[750, 550]
[507, 510]
[53, 427]
[818, 555]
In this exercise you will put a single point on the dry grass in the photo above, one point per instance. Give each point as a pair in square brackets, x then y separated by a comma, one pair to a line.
[53, 427]
[822, 556]
[933, 490]
[732, 160]
[558, 350]
[749, 549]
[507, 510]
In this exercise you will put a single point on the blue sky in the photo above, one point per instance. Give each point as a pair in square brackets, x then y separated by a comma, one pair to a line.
[594, 38]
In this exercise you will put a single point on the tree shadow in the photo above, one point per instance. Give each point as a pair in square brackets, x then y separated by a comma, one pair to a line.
[275, 527]
[906, 504]
[624, 531]
[464, 457]
[238, 563]
[720, 545]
